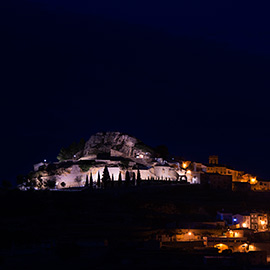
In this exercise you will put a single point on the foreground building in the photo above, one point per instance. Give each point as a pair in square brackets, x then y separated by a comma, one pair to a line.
[255, 221]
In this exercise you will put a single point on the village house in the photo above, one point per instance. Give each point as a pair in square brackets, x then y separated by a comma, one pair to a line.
[261, 185]
[254, 220]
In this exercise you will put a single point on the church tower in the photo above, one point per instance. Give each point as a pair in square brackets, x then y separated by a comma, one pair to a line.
[213, 160]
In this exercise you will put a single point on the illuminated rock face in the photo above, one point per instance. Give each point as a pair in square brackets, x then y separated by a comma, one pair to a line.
[104, 142]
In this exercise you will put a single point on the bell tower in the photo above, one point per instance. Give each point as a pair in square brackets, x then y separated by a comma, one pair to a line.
[213, 160]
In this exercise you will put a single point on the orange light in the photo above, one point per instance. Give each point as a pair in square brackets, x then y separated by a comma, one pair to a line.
[253, 180]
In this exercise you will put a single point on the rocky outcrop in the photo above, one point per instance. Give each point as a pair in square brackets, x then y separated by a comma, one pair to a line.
[104, 142]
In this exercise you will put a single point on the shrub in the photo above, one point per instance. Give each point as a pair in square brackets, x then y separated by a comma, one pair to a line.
[85, 165]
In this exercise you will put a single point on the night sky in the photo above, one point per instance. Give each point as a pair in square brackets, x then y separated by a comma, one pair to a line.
[193, 75]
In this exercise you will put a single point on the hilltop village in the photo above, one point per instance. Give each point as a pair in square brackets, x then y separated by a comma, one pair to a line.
[113, 202]
[124, 156]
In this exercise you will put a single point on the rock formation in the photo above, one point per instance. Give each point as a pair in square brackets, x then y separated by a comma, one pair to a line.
[104, 142]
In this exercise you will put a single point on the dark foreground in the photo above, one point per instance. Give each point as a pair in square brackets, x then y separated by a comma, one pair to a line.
[110, 229]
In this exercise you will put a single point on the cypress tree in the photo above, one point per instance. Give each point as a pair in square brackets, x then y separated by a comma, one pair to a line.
[91, 181]
[98, 181]
[86, 181]
[138, 177]
[127, 178]
[112, 180]
[133, 179]
[105, 176]
[119, 179]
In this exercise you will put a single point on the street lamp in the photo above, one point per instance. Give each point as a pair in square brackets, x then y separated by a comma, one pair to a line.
[189, 234]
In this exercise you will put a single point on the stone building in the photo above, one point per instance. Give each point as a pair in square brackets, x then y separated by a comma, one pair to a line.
[215, 167]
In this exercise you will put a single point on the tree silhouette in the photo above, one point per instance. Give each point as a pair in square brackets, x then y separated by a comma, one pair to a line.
[69, 152]
[91, 181]
[86, 181]
[138, 177]
[127, 178]
[119, 179]
[133, 179]
[98, 181]
[105, 176]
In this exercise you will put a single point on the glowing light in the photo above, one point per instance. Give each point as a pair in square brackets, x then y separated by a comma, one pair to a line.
[189, 172]
[221, 247]
[184, 165]
[189, 233]
[262, 222]
[253, 180]
[244, 225]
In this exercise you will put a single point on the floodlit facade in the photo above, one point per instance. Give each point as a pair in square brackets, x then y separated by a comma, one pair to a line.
[151, 168]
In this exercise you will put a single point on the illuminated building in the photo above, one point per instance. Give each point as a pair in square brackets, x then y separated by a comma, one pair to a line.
[241, 220]
[193, 171]
[261, 185]
[254, 221]
[214, 167]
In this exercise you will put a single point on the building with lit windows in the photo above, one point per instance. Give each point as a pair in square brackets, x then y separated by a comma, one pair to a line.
[254, 221]
[260, 185]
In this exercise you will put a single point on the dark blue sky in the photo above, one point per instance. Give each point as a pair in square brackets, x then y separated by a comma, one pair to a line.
[239, 24]
[192, 75]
